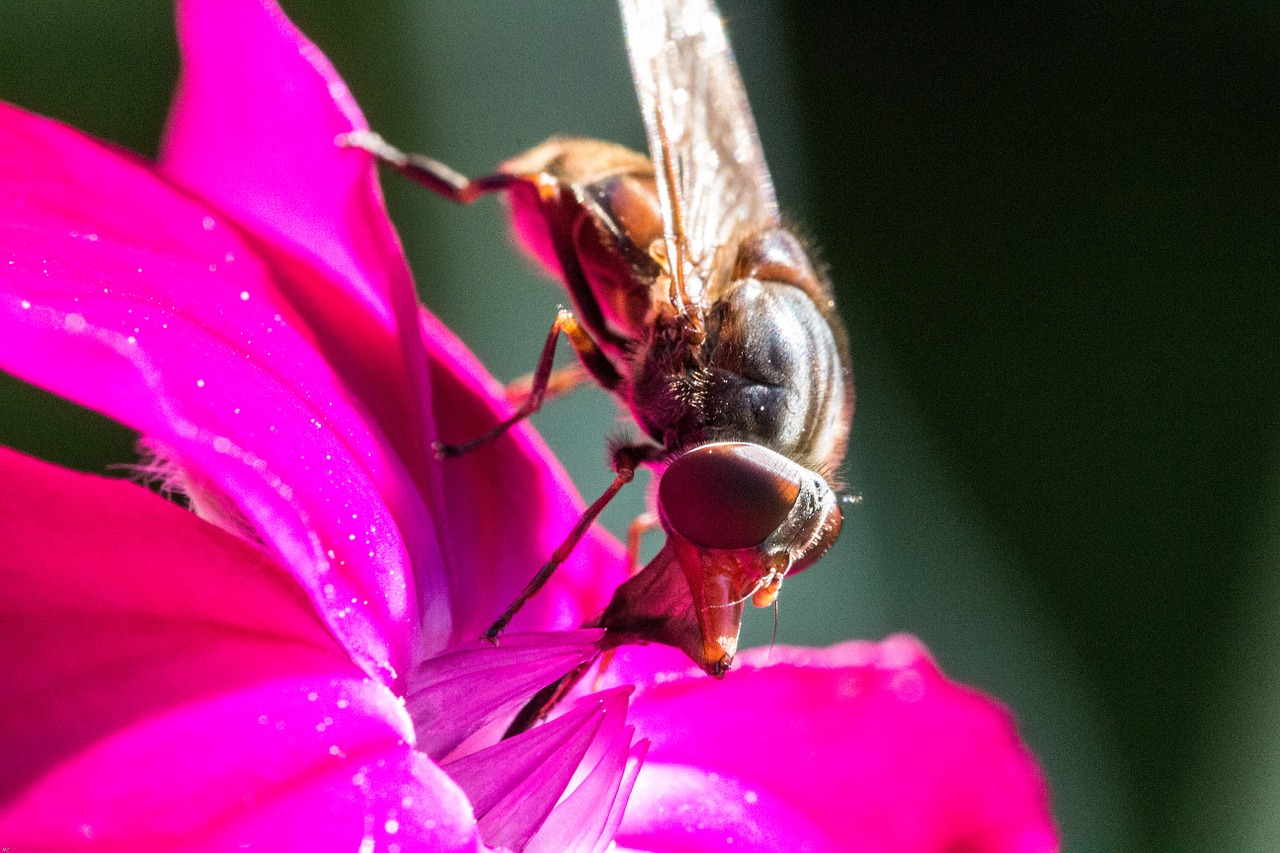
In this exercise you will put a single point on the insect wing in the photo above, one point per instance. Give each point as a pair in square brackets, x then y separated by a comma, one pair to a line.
[712, 177]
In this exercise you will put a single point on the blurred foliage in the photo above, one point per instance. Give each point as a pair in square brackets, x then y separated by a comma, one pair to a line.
[1053, 229]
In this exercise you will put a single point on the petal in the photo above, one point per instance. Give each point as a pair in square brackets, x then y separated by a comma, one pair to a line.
[861, 746]
[457, 693]
[302, 763]
[117, 605]
[515, 784]
[122, 294]
[589, 817]
[678, 808]
[509, 505]
[161, 680]
[252, 131]
[498, 512]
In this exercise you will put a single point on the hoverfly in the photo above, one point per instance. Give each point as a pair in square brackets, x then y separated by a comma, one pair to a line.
[704, 316]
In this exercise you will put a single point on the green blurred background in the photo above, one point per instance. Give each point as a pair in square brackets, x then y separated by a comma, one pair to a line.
[1054, 230]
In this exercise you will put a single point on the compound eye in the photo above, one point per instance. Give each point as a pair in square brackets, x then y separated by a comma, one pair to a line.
[728, 495]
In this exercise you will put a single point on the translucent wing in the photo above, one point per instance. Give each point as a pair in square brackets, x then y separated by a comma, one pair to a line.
[712, 178]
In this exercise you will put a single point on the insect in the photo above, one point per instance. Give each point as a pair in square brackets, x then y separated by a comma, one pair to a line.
[703, 315]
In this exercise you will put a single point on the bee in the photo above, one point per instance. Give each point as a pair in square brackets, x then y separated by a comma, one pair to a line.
[697, 308]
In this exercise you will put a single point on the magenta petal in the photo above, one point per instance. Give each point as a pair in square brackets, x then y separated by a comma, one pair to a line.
[515, 783]
[252, 131]
[618, 808]
[692, 808]
[162, 681]
[119, 293]
[104, 627]
[455, 694]
[588, 818]
[296, 764]
[869, 745]
[500, 512]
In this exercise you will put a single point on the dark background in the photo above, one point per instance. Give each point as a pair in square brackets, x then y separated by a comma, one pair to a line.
[1055, 236]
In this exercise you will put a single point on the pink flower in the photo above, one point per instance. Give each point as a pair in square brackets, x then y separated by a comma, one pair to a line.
[293, 666]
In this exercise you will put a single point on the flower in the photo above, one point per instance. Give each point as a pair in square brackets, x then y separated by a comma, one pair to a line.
[294, 664]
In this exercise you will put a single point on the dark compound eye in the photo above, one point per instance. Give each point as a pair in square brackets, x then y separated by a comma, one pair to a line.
[728, 495]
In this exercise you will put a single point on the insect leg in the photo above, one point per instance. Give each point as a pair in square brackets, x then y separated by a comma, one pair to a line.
[562, 381]
[640, 525]
[587, 350]
[626, 459]
[432, 174]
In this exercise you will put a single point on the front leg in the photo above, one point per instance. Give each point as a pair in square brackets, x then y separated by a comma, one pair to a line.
[432, 174]
[626, 458]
